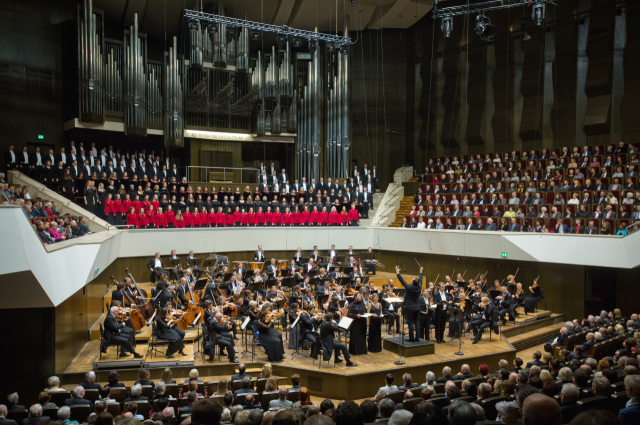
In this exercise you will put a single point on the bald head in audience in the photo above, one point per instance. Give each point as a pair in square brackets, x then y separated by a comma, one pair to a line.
[539, 409]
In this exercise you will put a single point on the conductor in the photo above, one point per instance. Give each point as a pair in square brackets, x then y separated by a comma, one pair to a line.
[412, 304]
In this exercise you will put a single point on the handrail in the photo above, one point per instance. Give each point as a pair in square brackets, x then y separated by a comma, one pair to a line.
[189, 173]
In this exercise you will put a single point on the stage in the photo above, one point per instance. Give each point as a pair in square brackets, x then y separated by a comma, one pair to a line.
[324, 379]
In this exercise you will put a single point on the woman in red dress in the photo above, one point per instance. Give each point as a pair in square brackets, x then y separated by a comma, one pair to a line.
[315, 216]
[305, 217]
[296, 216]
[268, 217]
[353, 216]
[334, 217]
[188, 218]
[221, 218]
[251, 218]
[324, 217]
[161, 221]
[132, 218]
[276, 218]
[170, 217]
[260, 218]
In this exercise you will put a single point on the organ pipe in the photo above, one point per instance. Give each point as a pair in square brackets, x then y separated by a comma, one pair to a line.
[174, 99]
[91, 65]
[135, 82]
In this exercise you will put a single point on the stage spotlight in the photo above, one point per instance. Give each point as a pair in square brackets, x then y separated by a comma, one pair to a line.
[281, 40]
[297, 42]
[537, 14]
[484, 29]
[255, 35]
[447, 26]
[330, 47]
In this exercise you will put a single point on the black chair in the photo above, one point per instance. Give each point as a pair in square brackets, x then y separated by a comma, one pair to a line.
[116, 344]
[439, 388]
[114, 409]
[147, 391]
[411, 404]
[155, 342]
[237, 385]
[92, 395]
[619, 401]
[218, 399]
[51, 412]
[597, 403]
[144, 408]
[266, 398]
[260, 384]
[58, 398]
[439, 401]
[172, 390]
[395, 396]
[119, 394]
[293, 396]
[80, 413]
[489, 406]
[18, 415]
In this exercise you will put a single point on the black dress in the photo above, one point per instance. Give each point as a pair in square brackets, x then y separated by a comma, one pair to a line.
[271, 340]
[102, 197]
[375, 329]
[90, 194]
[530, 302]
[166, 333]
[358, 329]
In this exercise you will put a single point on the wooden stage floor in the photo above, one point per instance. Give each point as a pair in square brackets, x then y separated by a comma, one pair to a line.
[327, 379]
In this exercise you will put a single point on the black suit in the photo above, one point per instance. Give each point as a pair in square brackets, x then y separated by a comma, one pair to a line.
[441, 313]
[239, 376]
[118, 332]
[155, 272]
[259, 256]
[219, 335]
[327, 331]
[78, 402]
[486, 319]
[5, 421]
[412, 305]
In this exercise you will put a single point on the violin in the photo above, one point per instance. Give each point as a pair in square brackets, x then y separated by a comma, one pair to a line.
[137, 319]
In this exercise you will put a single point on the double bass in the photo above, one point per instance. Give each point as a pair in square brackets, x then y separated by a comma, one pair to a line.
[138, 321]
[193, 309]
[144, 306]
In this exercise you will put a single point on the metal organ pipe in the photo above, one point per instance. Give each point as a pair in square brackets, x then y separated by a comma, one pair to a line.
[91, 66]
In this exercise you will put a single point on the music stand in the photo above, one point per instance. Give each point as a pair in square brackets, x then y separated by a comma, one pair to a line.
[347, 270]
[458, 318]
[297, 349]
[289, 283]
[243, 328]
[174, 262]
[200, 284]
[344, 281]
[210, 263]
[494, 293]
[192, 261]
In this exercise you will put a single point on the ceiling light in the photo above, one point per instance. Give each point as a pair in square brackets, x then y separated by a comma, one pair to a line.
[447, 26]
[484, 29]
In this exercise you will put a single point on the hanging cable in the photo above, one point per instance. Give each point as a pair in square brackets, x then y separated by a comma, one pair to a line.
[384, 96]
[543, 37]
[364, 89]
[506, 91]
[433, 41]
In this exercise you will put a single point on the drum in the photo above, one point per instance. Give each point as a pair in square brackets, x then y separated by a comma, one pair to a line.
[282, 264]
[256, 265]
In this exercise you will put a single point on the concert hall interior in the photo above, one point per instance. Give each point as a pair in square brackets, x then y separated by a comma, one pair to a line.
[320, 212]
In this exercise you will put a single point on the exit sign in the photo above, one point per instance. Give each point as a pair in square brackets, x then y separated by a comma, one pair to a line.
[40, 136]
[504, 255]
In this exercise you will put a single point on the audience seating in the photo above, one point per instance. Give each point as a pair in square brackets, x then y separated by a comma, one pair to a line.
[489, 406]
[411, 404]
[59, 397]
[18, 415]
[395, 396]
[80, 413]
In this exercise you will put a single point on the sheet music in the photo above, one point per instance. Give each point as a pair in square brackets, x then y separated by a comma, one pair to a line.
[394, 300]
[244, 324]
[345, 323]
[296, 321]
[367, 315]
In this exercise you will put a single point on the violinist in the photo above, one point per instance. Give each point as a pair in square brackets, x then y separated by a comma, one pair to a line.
[295, 271]
[334, 307]
[518, 297]
[389, 309]
[308, 325]
[252, 312]
[504, 302]
[511, 280]
[273, 294]
[176, 316]
[270, 339]
[328, 328]
[296, 296]
[455, 291]
[257, 280]
[426, 311]
[167, 333]
[228, 308]
[484, 320]
[308, 297]
[448, 283]
[122, 313]
[496, 285]
[305, 284]
[118, 332]
[219, 335]
[536, 297]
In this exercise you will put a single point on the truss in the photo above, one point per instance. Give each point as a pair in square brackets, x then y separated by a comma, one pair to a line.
[256, 26]
[483, 7]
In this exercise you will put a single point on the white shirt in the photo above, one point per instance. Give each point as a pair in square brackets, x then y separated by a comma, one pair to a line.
[158, 263]
[443, 297]
[64, 157]
[95, 151]
[421, 225]
[39, 158]
[13, 157]
[26, 157]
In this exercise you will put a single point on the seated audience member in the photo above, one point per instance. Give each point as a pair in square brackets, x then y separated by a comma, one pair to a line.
[135, 394]
[631, 413]
[281, 402]
[383, 391]
[35, 416]
[78, 398]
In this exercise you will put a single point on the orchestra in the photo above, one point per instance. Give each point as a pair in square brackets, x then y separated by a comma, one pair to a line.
[309, 296]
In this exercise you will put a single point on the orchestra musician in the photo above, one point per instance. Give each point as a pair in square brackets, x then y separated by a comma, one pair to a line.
[155, 267]
[370, 265]
[536, 297]
[426, 310]
[297, 257]
[334, 306]
[295, 271]
[242, 271]
[442, 299]
[166, 332]
[233, 286]
[127, 289]
[270, 339]
[486, 318]
[333, 252]
[118, 332]
[183, 288]
[355, 274]
[271, 269]
[176, 315]
[120, 295]
[219, 334]
[390, 309]
[259, 254]
[258, 280]
[177, 269]
[411, 308]
[196, 270]
[518, 297]
[328, 328]
[335, 274]
[310, 265]
[504, 303]
[315, 254]
[272, 294]
[351, 254]
[187, 275]
[296, 296]
[308, 325]
[308, 298]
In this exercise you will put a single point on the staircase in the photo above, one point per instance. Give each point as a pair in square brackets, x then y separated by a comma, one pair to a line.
[403, 211]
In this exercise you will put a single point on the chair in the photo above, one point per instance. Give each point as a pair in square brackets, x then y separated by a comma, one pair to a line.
[51, 412]
[218, 399]
[118, 394]
[260, 385]
[618, 401]
[293, 396]
[411, 404]
[18, 415]
[212, 387]
[598, 403]
[114, 409]
[439, 388]
[155, 342]
[58, 398]
[439, 401]
[80, 413]
[91, 395]
[172, 390]
[147, 391]
[117, 344]
[466, 398]
[237, 385]
[266, 399]
[395, 396]
[489, 406]
[144, 408]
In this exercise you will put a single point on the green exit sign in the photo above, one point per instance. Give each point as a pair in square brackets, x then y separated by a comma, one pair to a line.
[40, 136]
[504, 255]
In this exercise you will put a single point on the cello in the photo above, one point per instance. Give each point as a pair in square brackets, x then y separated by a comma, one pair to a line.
[193, 309]
[145, 307]
[136, 317]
